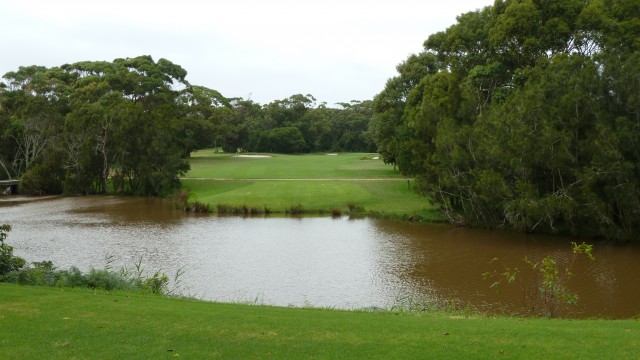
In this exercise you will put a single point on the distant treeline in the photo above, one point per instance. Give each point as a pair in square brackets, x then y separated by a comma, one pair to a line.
[524, 115]
[127, 126]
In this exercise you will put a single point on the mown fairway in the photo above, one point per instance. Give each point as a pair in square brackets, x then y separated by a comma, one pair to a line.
[208, 164]
[47, 323]
[319, 183]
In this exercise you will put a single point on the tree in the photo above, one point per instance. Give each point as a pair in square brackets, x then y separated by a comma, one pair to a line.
[73, 125]
[8, 261]
[530, 119]
[286, 140]
[389, 105]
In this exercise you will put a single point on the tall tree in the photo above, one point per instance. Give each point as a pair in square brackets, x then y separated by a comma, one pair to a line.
[530, 120]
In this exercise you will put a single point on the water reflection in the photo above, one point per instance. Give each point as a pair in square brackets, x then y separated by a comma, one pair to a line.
[319, 261]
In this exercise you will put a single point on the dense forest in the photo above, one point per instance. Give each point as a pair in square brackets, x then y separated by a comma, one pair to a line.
[128, 126]
[524, 115]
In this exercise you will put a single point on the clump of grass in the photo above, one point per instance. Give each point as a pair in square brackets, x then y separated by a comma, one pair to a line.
[336, 213]
[355, 209]
[199, 207]
[241, 210]
[296, 210]
[181, 201]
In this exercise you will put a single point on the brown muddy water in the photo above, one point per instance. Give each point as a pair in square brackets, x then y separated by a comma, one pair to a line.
[322, 261]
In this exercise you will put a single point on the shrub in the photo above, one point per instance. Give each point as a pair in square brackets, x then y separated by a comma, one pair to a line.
[74, 278]
[8, 262]
[106, 280]
[42, 274]
[547, 292]
[157, 283]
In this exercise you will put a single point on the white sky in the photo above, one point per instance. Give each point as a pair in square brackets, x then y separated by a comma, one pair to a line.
[335, 50]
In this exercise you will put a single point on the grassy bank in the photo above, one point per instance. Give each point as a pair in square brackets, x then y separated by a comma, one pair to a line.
[67, 323]
[317, 183]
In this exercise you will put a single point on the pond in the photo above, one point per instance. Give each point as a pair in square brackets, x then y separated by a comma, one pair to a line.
[312, 261]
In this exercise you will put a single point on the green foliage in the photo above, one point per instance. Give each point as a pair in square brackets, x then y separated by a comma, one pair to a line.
[106, 280]
[78, 127]
[157, 283]
[530, 121]
[13, 270]
[8, 261]
[127, 126]
[286, 140]
[546, 292]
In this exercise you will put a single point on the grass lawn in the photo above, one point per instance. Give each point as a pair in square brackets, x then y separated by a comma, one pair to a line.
[317, 182]
[46, 323]
[208, 164]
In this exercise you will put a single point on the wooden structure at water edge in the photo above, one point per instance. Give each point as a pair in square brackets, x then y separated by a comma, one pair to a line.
[9, 187]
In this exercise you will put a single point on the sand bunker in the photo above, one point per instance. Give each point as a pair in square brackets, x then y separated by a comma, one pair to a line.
[255, 156]
[332, 154]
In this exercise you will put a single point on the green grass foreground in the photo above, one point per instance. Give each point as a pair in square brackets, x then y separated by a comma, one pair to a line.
[317, 182]
[50, 323]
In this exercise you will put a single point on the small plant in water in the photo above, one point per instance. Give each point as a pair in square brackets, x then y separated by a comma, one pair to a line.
[547, 291]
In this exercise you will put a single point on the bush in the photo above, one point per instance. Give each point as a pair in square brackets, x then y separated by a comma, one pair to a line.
[8, 262]
[545, 292]
[157, 283]
[42, 273]
[74, 278]
[107, 280]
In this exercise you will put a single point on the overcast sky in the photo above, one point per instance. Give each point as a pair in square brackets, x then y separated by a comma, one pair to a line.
[335, 50]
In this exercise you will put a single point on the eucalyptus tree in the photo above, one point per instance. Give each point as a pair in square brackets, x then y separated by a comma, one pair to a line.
[530, 120]
[389, 105]
[35, 102]
[85, 125]
[208, 115]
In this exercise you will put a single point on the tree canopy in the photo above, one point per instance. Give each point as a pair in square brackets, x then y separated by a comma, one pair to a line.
[524, 115]
[129, 125]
